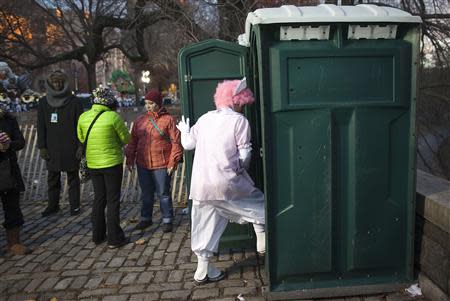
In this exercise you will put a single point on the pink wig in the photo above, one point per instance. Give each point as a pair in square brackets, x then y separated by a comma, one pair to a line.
[224, 95]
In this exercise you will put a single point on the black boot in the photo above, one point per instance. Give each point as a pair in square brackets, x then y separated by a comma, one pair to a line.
[49, 211]
[124, 242]
[142, 225]
[75, 211]
[167, 227]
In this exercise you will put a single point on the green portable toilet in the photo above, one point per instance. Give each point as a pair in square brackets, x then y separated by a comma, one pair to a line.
[334, 124]
[201, 66]
[337, 95]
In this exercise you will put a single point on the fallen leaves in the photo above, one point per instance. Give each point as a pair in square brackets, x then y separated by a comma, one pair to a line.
[140, 241]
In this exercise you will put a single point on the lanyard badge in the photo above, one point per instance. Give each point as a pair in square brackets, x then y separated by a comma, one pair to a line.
[54, 118]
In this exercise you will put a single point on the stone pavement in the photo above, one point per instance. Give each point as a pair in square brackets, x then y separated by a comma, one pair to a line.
[66, 265]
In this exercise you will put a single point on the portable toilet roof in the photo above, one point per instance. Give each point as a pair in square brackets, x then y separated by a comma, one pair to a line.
[325, 13]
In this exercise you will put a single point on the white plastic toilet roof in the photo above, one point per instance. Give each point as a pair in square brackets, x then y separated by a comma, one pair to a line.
[326, 13]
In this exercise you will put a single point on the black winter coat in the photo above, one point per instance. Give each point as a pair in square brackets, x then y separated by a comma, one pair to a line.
[60, 138]
[9, 125]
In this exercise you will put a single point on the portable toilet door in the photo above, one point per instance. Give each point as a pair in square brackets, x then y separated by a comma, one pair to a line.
[337, 97]
[201, 66]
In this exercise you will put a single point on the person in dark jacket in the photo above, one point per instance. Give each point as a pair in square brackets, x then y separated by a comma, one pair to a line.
[58, 114]
[11, 183]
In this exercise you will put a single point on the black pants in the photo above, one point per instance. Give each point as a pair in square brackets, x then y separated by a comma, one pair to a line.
[11, 208]
[107, 184]
[54, 189]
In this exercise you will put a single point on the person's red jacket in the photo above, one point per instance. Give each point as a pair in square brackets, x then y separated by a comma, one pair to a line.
[147, 148]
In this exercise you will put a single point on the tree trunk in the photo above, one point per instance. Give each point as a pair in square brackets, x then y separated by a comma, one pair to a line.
[92, 76]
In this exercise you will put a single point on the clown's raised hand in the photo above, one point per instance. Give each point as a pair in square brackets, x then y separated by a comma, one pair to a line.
[183, 125]
[187, 138]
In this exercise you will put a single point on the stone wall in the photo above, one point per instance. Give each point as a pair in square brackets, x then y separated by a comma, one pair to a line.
[432, 237]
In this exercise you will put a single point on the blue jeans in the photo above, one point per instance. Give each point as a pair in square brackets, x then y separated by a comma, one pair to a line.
[158, 180]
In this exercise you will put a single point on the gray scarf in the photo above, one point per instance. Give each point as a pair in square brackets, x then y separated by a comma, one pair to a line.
[57, 99]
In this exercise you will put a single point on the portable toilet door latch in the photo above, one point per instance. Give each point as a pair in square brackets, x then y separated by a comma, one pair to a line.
[187, 77]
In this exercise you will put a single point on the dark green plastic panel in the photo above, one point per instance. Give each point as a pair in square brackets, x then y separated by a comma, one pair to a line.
[201, 66]
[338, 163]
[301, 171]
[341, 197]
[376, 74]
[347, 75]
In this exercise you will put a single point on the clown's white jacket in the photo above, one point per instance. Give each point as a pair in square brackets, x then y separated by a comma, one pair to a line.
[221, 139]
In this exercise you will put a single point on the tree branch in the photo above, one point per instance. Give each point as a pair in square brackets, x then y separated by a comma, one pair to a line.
[435, 16]
[76, 54]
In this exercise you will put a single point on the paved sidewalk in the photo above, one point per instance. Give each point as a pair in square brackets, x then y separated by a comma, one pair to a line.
[65, 263]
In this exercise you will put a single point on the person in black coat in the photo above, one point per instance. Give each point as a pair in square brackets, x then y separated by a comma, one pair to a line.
[58, 114]
[11, 183]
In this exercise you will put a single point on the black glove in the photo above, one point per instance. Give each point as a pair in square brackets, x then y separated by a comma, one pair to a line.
[43, 152]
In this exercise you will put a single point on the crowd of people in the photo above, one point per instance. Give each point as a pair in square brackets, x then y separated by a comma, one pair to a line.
[221, 188]
[15, 96]
[17, 106]
[125, 101]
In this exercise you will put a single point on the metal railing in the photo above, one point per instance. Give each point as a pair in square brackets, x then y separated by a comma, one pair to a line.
[35, 177]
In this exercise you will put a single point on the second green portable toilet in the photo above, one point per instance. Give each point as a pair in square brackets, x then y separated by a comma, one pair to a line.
[201, 67]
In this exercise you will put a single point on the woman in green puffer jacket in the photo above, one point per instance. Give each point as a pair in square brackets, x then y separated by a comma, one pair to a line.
[104, 156]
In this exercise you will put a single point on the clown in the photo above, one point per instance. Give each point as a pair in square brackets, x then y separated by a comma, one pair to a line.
[221, 188]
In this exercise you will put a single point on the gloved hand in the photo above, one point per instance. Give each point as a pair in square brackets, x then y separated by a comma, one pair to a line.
[79, 152]
[183, 125]
[170, 170]
[4, 138]
[43, 152]
[5, 142]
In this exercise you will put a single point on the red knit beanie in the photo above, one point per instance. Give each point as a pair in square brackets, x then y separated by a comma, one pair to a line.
[155, 96]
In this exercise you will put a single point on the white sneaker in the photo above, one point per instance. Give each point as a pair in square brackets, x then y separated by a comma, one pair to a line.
[201, 274]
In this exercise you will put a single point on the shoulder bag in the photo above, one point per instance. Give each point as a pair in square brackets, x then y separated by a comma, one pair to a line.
[84, 171]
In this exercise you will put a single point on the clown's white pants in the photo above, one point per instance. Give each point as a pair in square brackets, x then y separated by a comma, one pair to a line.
[210, 218]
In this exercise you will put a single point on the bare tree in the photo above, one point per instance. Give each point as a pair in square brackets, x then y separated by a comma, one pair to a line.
[232, 16]
[38, 33]
[61, 30]
[433, 118]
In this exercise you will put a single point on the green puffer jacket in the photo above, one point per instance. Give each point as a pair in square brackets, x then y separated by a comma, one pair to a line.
[108, 135]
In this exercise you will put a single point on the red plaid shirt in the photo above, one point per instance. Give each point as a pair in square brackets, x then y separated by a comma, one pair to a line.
[147, 148]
